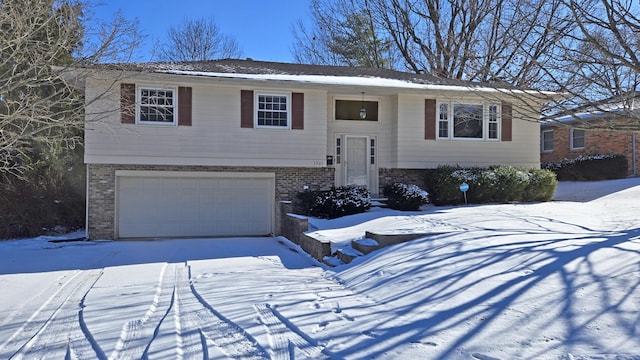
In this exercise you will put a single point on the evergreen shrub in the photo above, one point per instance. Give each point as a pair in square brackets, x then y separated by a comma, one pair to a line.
[334, 203]
[498, 184]
[405, 197]
[590, 168]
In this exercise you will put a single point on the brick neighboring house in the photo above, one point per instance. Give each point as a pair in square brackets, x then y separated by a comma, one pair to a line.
[569, 137]
[211, 148]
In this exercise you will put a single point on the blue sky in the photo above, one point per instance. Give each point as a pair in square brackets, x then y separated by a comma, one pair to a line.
[262, 27]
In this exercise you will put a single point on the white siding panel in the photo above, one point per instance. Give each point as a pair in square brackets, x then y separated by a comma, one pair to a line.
[416, 152]
[214, 138]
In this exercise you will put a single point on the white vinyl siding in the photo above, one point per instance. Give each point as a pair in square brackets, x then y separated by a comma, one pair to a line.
[416, 153]
[214, 139]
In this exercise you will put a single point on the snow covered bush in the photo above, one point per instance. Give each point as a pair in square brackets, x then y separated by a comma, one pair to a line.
[496, 184]
[590, 168]
[405, 197]
[336, 202]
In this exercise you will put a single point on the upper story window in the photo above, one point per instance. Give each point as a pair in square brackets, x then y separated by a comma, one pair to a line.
[494, 115]
[443, 121]
[156, 106]
[577, 139]
[272, 111]
[351, 110]
[474, 121]
[547, 140]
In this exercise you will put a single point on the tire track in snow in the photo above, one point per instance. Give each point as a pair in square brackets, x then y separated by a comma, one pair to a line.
[196, 320]
[136, 335]
[54, 331]
[285, 338]
[38, 319]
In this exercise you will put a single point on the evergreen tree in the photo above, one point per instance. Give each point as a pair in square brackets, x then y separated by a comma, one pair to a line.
[342, 34]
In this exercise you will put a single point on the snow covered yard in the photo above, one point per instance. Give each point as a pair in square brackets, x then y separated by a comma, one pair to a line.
[558, 280]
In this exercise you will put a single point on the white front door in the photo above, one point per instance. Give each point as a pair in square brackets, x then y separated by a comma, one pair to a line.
[356, 161]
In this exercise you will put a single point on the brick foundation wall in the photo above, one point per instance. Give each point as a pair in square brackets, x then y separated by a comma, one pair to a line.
[406, 176]
[596, 142]
[101, 188]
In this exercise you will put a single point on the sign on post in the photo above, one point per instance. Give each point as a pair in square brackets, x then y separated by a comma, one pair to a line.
[464, 187]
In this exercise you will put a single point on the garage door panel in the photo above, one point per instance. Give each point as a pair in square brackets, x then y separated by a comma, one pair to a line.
[182, 207]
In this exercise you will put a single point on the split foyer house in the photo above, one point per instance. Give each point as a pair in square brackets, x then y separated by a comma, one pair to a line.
[211, 148]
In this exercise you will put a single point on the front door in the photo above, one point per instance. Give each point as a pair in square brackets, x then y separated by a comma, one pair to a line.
[356, 161]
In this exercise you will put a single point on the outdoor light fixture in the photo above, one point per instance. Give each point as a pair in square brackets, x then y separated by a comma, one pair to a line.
[363, 111]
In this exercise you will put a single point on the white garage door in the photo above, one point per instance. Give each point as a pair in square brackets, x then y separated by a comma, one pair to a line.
[174, 204]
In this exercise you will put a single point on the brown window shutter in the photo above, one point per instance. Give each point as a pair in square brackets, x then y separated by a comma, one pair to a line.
[246, 108]
[507, 119]
[297, 111]
[430, 119]
[128, 103]
[184, 106]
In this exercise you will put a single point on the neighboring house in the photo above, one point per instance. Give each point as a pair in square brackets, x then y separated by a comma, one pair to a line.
[211, 148]
[585, 133]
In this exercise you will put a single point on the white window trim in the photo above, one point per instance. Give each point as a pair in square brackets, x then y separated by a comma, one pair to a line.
[485, 120]
[139, 103]
[584, 140]
[257, 95]
[542, 142]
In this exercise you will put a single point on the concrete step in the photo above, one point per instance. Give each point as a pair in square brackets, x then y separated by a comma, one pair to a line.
[365, 246]
[396, 238]
[347, 254]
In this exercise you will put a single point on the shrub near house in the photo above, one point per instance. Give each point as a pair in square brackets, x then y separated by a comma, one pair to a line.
[334, 203]
[489, 185]
[406, 197]
[590, 168]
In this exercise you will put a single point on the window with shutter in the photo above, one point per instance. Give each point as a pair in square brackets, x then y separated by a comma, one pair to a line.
[150, 105]
[271, 110]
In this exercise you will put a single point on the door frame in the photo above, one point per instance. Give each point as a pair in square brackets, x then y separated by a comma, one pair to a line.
[341, 153]
[347, 160]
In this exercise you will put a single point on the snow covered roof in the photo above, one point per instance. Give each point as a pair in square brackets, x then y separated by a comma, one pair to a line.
[314, 74]
[612, 107]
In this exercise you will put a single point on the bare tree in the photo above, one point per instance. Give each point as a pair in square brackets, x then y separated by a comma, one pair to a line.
[602, 71]
[479, 40]
[199, 40]
[41, 108]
